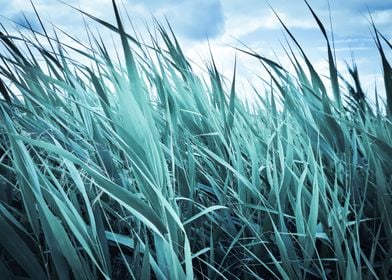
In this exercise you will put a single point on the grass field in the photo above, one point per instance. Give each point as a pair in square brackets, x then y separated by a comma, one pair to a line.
[138, 168]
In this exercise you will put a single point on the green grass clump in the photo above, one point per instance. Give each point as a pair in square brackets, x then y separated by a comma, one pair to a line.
[139, 168]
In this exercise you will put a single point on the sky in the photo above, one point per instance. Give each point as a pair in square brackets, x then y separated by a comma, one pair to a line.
[226, 24]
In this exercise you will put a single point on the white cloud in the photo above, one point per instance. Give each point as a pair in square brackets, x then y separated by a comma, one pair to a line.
[383, 17]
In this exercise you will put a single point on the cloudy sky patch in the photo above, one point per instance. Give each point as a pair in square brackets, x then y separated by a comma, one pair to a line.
[226, 23]
[197, 19]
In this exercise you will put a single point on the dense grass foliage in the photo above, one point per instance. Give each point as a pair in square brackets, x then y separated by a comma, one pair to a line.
[139, 168]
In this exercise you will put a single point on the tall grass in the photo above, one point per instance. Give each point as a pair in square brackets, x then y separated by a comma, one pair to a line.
[142, 169]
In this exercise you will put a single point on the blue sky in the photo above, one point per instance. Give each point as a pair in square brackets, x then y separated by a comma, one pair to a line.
[226, 22]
